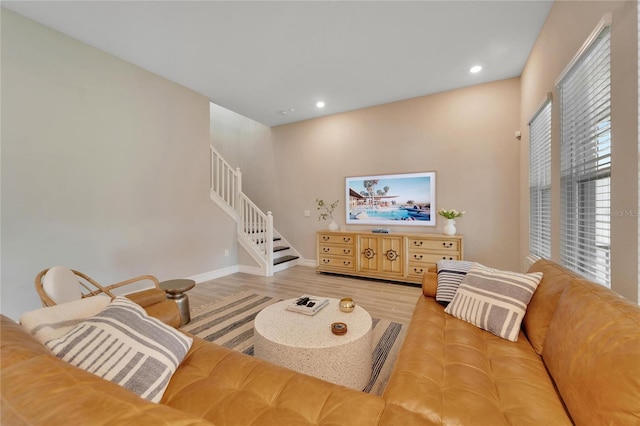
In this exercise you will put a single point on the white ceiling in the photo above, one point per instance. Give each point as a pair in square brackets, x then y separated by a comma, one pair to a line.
[258, 58]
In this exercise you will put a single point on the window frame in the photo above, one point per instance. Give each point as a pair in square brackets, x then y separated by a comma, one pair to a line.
[585, 158]
[540, 180]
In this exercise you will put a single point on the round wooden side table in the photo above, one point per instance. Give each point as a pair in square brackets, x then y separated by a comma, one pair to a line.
[175, 290]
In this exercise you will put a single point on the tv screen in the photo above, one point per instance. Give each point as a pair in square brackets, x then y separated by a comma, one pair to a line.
[399, 199]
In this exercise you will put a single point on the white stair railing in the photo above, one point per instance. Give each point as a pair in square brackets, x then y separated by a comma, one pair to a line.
[226, 183]
[255, 228]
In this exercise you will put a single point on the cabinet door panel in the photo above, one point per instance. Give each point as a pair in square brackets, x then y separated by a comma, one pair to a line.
[391, 255]
[369, 254]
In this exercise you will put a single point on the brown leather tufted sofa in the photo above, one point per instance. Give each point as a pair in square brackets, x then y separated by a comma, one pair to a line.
[577, 360]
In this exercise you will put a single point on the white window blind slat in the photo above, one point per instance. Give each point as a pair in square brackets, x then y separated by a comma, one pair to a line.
[585, 162]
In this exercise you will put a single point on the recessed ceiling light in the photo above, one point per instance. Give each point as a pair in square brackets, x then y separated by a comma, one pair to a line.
[475, 69]
[320, 104]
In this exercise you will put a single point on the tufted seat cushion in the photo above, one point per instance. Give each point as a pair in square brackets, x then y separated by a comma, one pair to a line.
[451, 372]
[228, 388]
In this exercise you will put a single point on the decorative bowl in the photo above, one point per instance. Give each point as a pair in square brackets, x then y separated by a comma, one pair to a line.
[339, 328]
[347, 304]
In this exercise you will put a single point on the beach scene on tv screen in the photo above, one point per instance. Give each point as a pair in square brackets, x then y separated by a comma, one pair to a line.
[390, 198]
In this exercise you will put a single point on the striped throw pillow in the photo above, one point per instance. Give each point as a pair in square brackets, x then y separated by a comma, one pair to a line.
[494, 300]
[124, 345]
[450, 275]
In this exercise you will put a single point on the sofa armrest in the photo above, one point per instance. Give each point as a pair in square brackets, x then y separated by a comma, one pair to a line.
[430, 283]
[155, 303]
[148, 297]
[40, 389]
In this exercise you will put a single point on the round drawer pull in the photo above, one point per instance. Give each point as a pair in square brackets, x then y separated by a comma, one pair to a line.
[445, 258]
[418, 270]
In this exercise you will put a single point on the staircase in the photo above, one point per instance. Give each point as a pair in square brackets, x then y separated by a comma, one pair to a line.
[256, 234]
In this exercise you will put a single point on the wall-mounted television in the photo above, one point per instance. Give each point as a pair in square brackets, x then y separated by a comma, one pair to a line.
[398, 199]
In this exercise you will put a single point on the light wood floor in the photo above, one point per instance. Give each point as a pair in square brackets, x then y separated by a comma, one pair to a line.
[381, 299]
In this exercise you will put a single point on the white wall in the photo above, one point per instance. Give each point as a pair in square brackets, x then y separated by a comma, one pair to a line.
[105, 168]
[466, 136]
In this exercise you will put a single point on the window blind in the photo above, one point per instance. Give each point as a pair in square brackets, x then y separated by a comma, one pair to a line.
[585, 162]
[540, 182]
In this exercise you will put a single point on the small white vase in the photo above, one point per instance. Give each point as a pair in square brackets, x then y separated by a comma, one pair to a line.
[450, 227]
[333, 226]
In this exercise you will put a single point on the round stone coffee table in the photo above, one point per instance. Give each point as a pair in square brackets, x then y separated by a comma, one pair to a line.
[306, 344]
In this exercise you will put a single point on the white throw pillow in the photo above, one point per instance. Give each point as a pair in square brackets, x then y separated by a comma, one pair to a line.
[55, 321]
[494, 300]
[124, 345]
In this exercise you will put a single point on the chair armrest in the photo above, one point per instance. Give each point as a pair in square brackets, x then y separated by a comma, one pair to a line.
[151, 278]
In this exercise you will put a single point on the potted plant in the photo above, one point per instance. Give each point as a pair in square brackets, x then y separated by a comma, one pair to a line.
[450, 215]
[326, 212]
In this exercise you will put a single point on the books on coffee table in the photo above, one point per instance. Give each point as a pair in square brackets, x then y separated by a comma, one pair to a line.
[307, 304]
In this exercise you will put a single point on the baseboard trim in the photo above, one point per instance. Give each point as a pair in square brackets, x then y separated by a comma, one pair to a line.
[253, 270]
[310, 263]
[212, 275]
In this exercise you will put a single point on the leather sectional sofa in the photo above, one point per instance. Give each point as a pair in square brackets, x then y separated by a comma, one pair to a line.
[577, 360]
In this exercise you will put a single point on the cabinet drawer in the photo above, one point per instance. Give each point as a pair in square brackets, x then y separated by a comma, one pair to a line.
[336, 263]
[417, 270]
[336, 239]
[336, 250]
[419, 267]
[431, 258]
[433, 244]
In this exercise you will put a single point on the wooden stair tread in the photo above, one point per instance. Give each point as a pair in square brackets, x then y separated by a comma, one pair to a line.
[284, 259]
[280, 248]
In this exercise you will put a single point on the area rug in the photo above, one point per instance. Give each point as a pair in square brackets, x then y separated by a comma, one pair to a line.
[229, 323]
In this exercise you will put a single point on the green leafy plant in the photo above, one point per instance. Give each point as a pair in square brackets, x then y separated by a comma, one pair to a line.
[450, 214]
[326, 211]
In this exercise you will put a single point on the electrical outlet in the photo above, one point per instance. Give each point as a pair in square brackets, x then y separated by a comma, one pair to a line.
[307, 213]
[226, 252]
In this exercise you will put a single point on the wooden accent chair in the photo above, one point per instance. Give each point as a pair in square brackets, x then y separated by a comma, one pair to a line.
[59, 284]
